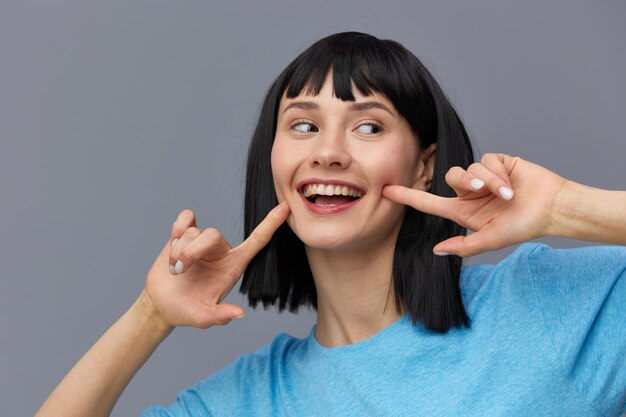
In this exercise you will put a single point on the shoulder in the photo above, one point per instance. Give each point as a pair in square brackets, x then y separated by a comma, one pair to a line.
[482, 278]
[538, 268]
[589, 260]
[237, 386]
[576, 297]
[581, 293]
[539, 259]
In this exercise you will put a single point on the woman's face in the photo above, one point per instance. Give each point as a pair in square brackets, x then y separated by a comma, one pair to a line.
[351, 150]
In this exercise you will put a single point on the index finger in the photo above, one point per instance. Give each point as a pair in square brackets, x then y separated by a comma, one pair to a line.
[262, 234]
[421, 200]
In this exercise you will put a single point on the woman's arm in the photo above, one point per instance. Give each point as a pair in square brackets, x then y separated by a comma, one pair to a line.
[95, 383]
[190, 278]
[507, 200]
[590, 214]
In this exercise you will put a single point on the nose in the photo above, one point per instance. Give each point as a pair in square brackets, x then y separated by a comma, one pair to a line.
[330, 151]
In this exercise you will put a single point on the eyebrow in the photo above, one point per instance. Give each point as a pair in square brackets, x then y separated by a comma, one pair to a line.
[356, 106]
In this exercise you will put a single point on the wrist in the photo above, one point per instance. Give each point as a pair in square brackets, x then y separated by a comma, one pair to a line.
[563, 211]
[588, 213]
[150, 316]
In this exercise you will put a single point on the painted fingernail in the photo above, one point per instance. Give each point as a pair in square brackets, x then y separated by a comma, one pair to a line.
[477, 184]
[439, 253]
[172, 270]
[179, 267]
[505, 192]
[173, 242]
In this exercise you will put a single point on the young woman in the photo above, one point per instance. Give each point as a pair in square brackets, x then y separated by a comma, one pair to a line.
[361, 184]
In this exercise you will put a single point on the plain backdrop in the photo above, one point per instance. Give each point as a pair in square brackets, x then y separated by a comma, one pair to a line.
[117, 115]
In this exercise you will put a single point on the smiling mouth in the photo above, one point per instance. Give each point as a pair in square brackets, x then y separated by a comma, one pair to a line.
[330, 195]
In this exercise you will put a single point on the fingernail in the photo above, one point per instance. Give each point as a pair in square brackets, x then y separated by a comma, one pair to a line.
[238, 317]
[505, 192]
[179, 266]
[477, 184]
[439, 253]
[173, 242]
[172, 270]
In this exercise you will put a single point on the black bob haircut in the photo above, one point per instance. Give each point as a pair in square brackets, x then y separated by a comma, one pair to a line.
[426, 286]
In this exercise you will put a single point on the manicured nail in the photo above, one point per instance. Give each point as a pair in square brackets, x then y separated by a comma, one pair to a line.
[477, 184]
[505, 192]
[179, 267]
[173, 242]
[439, 253]
[172, 270]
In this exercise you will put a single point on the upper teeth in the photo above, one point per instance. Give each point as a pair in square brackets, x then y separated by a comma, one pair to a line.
[323, 189]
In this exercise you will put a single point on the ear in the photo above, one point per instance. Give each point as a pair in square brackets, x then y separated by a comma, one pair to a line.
[425, 168]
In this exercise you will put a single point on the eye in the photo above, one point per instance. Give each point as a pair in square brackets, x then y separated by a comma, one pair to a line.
[371, 128]
[304, 127]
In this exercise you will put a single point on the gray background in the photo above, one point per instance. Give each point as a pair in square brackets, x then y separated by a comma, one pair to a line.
[116, 115]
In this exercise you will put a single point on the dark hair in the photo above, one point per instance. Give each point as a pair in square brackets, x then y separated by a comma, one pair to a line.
[426, 285]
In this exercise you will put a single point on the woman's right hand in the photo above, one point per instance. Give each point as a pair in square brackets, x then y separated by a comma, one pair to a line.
[211, 268]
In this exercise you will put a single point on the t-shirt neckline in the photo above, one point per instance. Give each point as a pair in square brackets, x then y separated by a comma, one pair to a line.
[368, 343]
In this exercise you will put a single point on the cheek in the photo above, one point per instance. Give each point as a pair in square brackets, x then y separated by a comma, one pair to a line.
[395, 166]
[282, 169]
[276, 170]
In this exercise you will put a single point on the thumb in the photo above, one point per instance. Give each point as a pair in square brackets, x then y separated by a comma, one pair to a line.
[222, 313]
[466, 246]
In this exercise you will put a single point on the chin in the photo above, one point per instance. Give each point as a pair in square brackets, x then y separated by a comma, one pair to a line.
[346, 232]
[327, 243]
[320, 239]
[338, 242]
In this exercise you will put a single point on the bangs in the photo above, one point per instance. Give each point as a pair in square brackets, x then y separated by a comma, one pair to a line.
[370, 64]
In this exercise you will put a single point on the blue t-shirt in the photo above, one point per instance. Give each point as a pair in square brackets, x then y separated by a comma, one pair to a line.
[548, 338]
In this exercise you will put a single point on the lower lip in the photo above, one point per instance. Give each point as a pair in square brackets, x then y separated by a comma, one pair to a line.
[314, 208]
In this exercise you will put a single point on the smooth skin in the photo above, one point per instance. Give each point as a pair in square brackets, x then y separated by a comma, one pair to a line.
[543, 204]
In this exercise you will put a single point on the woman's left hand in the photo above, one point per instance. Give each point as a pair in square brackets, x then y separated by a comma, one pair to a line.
[505, 200]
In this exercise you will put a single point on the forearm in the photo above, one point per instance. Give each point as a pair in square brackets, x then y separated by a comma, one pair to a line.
[95, 383]
[590, 214]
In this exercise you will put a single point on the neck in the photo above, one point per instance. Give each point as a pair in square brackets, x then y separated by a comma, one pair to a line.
[355, 295]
